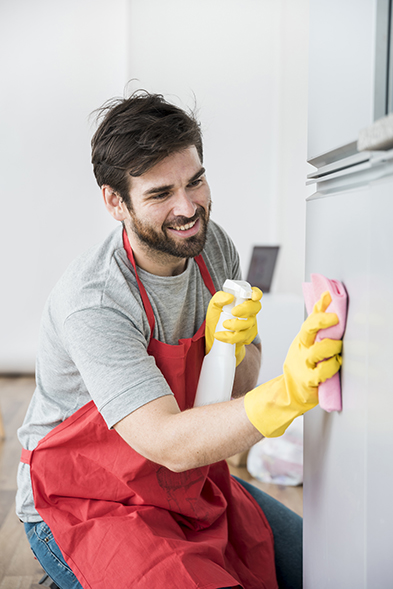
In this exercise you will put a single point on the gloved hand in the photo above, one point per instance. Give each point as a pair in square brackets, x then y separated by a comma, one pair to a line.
[243, 328]
[272, 406]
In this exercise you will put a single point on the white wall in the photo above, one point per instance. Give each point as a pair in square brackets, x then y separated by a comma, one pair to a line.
[291, 159]
[60, 61]
[246, 62]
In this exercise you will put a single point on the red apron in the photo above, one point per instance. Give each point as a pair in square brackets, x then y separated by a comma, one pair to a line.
[123, 521]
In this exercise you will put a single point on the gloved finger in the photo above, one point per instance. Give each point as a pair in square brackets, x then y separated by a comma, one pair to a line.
[327, 368]
[323, 303]
[313, 324]
[221, 298]
[217, 302]
[239, 324]
[240, 353]
[237, 337]
[326, 348]
[247, 309]
[257, 294]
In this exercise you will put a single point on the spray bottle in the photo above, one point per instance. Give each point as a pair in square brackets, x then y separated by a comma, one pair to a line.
[218, 368]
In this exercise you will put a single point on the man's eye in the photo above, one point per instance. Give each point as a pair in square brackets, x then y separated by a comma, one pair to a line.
[161, 196]
[195, 183]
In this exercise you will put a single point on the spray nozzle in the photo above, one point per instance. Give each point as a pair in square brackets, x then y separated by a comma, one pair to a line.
[240, 289]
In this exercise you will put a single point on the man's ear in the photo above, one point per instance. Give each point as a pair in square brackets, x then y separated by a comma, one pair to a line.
[113, 203]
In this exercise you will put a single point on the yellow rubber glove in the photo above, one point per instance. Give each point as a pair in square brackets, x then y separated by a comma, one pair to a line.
[243, 328]
[272, 406]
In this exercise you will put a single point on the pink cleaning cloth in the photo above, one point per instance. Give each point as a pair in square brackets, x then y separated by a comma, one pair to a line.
[329, 392]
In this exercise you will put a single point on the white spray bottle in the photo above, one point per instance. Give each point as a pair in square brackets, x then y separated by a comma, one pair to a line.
[218, 368]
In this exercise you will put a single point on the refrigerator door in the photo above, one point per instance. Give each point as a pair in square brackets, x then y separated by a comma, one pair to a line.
[348, 65]
[348, 466]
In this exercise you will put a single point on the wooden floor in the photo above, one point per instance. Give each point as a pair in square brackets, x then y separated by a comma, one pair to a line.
[18, 568]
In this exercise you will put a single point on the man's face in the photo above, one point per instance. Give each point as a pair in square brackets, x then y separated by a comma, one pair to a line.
[171, 206]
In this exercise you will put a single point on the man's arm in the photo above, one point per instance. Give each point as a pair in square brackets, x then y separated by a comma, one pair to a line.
[199, 436]
[160, 432]
[246, 376]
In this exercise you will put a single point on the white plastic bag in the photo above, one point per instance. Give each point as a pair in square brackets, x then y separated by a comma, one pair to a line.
[279, 460]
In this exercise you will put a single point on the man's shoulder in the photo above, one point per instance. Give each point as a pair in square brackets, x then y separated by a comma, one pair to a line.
[87, 279]
[218, 241]
[220, 255]
[97, 256]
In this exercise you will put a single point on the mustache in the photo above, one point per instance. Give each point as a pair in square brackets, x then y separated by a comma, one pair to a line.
[179, 221]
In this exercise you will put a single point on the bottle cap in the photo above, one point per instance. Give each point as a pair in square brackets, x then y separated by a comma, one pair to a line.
[240, 289]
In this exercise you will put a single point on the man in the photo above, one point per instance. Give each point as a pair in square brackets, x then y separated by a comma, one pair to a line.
[119, 470]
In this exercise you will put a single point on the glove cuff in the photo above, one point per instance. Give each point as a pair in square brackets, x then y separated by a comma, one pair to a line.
[268, 407]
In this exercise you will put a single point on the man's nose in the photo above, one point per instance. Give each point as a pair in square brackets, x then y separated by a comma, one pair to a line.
[183, 205]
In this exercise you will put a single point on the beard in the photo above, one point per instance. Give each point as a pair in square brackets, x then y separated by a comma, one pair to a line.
[162, 241]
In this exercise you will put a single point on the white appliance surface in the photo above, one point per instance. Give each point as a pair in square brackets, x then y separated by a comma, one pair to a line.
[348, 466]
[341, 72]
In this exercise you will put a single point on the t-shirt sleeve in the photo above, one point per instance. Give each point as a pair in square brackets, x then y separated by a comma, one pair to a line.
[111, 355]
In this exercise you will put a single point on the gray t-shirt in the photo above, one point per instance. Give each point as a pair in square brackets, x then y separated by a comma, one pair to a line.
[94, 336]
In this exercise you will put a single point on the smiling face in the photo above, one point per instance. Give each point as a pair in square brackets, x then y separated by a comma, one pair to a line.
[167, 223]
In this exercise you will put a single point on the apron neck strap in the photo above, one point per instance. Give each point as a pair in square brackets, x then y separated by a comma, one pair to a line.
[207, 279]
[145, 298]
[142, 290]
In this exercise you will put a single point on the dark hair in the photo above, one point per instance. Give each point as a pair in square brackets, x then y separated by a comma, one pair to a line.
[135, 134]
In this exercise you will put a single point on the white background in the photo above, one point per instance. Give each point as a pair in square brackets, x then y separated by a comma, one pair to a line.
[245, 63]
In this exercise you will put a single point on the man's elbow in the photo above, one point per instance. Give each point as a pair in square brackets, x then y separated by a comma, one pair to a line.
[182, 461]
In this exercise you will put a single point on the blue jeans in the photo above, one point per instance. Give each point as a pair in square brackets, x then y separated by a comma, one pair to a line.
[285, 524]
[49, 556]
